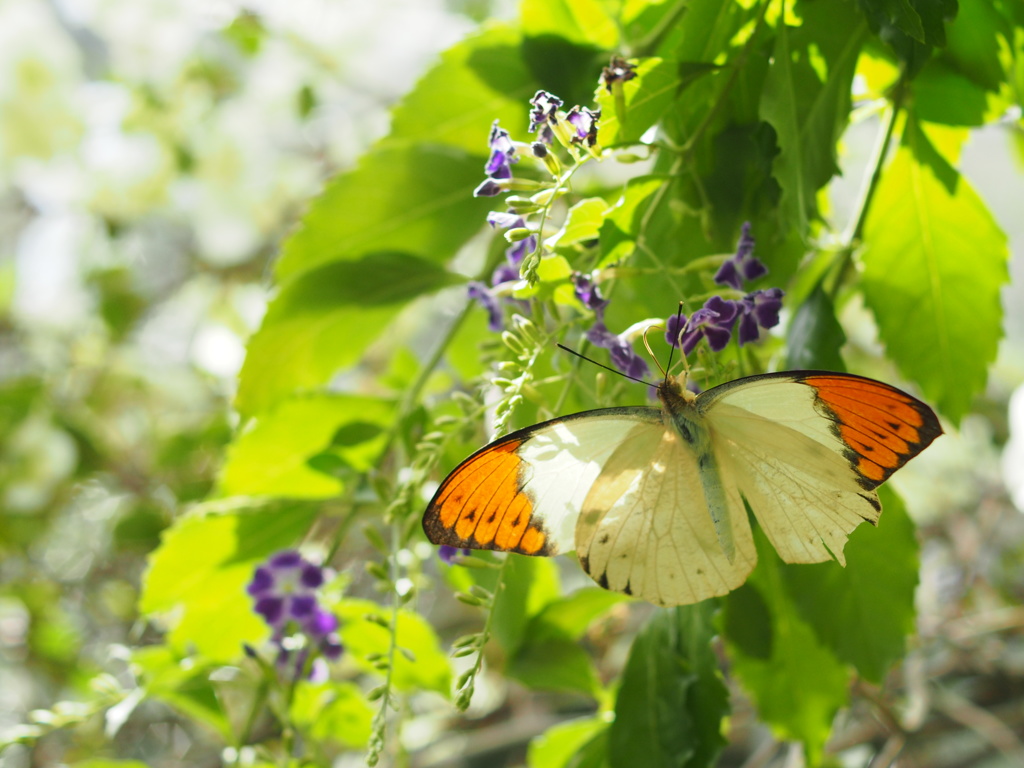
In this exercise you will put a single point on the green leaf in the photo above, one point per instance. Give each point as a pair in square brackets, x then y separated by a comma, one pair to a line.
[272, 457]
[944, 95]
[800, 686]
[865, 611]
[646, 97]
[323, 320]
[410, 199]
[478, 81]
[182, 684]
[560, 745]
[573, 615]
[429, 671]
[585, 22]
[806, 98]
[528, 585]
[582, 222]
[197, 576]
[548, 660]
[671, 702]
[975, 39]
[934, 262]
[103, 762]
[332, 712]
[815, 336]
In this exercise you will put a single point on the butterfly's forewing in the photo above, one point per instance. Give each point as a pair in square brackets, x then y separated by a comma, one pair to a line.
[645, 527]
[807, 450]
[523, 493]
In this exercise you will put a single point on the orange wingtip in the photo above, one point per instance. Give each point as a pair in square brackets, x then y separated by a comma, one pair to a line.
[883, 426]
[481, 505]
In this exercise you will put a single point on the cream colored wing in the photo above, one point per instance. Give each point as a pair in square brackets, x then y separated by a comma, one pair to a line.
[808, 449]
[645, 528]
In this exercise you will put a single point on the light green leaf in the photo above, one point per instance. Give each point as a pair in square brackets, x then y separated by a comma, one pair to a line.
[582, 222]
[671, 702]
[197, 577]
[559, 744]
[430, 669]
[411, 199]
[865, 611]
[584, 22]
[478, 81]
[182, 684]
[273, 457]
[646, 97]
[806, 98]
[934, 262]
[332, 712]
[103, 762]
[323, 320]
[796, 682]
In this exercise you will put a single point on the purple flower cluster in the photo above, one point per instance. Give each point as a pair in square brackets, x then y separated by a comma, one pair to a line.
[719, 318]
[619, 346]
[284, 590]
[577, 129]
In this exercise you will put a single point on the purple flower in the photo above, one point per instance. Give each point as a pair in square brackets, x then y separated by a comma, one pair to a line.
[285, 588]
[588, 293]
[284, 592]
[503, 153]
[447, 553]
[759, 309]
[488, 188]
[517, 251]
[545, 107]
[714, 322]
[743, 266]
[584, 123]
[488, 301]
[618, 71]
[620, 348]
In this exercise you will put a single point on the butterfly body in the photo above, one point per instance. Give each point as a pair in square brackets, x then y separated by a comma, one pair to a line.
[653, 500]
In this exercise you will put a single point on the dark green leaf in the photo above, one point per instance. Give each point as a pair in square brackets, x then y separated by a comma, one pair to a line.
[801, 685]
[672, 700]
[546, 660]
[806, 98]
[815, 336]
[944, 95]
[865, 611]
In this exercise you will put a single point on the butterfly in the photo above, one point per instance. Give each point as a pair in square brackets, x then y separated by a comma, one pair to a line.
[653, 500]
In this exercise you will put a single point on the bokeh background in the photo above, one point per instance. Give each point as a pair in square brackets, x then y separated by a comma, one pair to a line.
[152, 155]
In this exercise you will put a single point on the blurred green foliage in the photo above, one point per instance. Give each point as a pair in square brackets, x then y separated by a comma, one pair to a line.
[161, 209]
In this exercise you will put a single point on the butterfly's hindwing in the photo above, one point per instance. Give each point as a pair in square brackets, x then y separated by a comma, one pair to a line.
[808, 450]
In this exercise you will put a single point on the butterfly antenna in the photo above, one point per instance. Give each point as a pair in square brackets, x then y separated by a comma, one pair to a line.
[664, 371]
[679, 344]
[602, 365]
